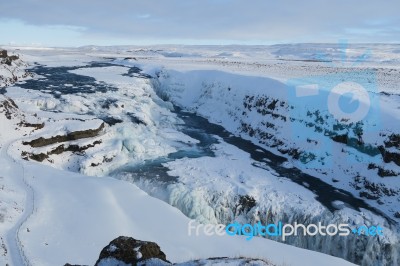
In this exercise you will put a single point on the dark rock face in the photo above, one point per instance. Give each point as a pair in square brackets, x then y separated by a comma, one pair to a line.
[390, 156]
[8, 107]
[14, 65]
[3, 53]
[7, 59]
[13, 57]
[245, 204]
[130, 251]
[40, 142]
[40, 157]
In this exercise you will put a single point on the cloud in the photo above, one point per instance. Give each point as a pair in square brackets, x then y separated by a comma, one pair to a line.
[262, 21]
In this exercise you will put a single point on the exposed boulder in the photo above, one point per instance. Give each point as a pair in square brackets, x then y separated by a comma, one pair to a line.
[129, 251]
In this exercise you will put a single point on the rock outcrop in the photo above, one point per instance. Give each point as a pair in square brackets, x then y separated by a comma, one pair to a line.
[130, 251]
[3, 54]
[12, 69]
[7, 59]
[89, 133]
[127, 251]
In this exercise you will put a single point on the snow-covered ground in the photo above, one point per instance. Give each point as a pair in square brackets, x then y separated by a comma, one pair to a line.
[241, 88]
[69, 217]
[258, 94]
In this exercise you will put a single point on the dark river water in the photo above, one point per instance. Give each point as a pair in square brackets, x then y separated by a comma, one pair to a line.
[55, 78]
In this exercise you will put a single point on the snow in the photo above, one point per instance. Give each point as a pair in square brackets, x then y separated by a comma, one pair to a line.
[111, 262]
[232, 100]
[232, 173]
[227, 91]
[14, 196]
[121, 143]
[48, 207]
[112, 248]
[103, 208]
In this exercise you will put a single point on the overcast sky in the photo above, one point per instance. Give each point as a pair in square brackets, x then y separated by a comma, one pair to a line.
[84, 22]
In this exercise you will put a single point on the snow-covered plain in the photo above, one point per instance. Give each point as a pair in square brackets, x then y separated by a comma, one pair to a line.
[213, 82]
